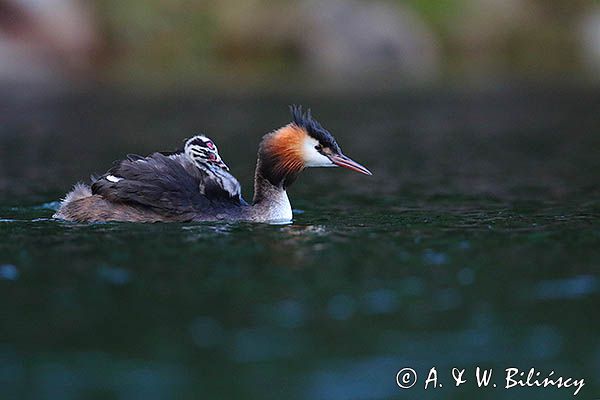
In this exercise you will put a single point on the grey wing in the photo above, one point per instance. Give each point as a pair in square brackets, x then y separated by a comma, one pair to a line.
[201, 157]
[219, 183]
[134, 157]
[160, 182]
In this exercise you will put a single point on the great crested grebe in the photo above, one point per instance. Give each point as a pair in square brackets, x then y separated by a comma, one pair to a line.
[194, 184]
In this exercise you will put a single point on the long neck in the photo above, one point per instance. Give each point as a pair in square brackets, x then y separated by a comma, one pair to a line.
[270, 202]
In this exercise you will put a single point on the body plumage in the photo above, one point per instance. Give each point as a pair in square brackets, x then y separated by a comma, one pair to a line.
[194, 184]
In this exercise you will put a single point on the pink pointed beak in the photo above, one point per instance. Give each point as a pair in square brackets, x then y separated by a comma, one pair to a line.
[346, 162]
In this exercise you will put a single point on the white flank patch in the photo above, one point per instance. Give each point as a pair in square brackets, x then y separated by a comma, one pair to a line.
[113, 179]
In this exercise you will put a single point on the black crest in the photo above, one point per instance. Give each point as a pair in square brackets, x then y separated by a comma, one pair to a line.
[314, 129]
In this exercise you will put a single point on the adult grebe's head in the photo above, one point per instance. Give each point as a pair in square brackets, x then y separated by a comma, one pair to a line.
[303, 143]
[203, 150]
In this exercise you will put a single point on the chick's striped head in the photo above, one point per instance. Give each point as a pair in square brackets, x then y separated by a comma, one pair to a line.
[202, 150]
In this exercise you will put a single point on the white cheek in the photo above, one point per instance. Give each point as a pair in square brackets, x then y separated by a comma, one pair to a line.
[312, 158]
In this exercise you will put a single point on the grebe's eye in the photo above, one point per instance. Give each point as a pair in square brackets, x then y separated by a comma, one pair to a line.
[318, 147]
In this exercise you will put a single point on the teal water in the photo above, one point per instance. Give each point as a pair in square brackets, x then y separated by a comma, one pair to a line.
[475, 243]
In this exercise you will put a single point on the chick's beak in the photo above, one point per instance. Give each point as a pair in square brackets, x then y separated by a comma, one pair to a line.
[215, 159]
[221, 164]
[346, 162]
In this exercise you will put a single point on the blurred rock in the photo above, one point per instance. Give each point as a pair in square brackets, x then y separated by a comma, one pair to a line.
[483, 30]
[527, 38]
[46, 41]
[490, 23]
[335, 40]
[349, 38]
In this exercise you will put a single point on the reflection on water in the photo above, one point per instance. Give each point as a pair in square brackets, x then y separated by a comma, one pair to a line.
[412, 268]
[9, 272]
[577, 286]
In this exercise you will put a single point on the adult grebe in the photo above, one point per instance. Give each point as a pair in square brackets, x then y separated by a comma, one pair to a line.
[194, 184]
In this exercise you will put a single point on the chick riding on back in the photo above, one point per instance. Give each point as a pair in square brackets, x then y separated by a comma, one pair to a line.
[194, 184]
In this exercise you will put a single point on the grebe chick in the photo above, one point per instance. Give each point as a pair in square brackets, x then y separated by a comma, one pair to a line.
[203, 151]
[194, 184]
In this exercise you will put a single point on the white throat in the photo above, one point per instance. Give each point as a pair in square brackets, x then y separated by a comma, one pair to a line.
[280, 209]
[274, 208]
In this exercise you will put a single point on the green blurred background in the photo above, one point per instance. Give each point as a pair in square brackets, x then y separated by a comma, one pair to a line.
[298, 45]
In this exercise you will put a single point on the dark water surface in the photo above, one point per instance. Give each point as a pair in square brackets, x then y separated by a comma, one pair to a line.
[475, 243]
